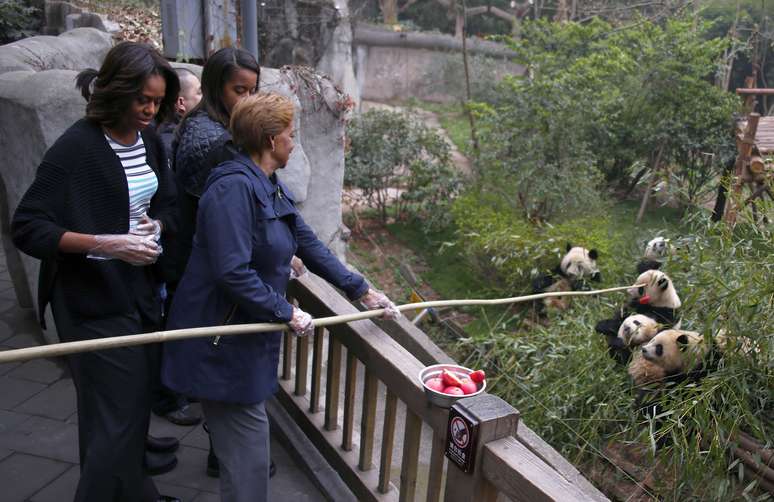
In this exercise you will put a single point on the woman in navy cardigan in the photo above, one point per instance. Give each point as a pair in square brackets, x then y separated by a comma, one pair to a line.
[247, 231]
[101, 199]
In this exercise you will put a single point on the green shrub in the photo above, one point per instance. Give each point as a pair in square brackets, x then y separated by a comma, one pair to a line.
[510, 250]
[17, 20]
[392, 153]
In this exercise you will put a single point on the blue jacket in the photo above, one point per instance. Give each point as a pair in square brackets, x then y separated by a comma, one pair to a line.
[247, 231]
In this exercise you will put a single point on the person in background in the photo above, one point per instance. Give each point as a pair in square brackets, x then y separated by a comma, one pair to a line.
[170, 405]
[100, 201]
[189, 97]
[229, 75]
[247, 231]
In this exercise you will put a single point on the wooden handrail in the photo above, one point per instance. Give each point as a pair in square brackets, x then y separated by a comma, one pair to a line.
[519, 474]
[390, 363]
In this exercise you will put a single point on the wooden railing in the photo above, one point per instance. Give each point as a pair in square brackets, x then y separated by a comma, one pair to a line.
[347, 433]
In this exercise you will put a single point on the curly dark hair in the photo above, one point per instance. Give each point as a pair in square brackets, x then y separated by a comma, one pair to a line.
[121, 78]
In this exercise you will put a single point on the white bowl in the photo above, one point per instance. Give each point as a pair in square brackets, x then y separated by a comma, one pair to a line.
[439, 398]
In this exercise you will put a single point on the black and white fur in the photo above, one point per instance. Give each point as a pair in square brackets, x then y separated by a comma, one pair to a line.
[656, 299]
[577, 265]
[656, 252]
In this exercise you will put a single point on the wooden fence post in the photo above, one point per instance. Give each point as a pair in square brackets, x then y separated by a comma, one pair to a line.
[496, 419]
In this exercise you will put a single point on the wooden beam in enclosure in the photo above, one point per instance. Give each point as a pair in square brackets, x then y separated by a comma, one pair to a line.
[745, 149]
[758, 92]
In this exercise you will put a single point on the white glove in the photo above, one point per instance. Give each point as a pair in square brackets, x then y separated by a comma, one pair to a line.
[297, 268]
[147, 227]
[133, 249]
[301, 323]
[374, 299]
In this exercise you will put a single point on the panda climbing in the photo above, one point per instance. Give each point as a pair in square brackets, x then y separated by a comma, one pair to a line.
[654, 296]
[577, 265]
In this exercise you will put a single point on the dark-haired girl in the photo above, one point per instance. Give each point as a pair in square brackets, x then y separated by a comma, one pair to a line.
[228, 75]
[94, 214]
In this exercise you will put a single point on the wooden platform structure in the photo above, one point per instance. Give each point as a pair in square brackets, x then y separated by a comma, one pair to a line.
[754, 167]
[764, 135]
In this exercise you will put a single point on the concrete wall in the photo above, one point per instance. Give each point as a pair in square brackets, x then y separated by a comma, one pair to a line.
[396, 70]
[38, 101]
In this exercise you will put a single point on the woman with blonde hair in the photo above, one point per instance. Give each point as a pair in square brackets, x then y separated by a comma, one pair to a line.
[247, 231]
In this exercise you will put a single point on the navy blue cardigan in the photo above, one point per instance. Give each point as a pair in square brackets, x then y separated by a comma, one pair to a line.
[80, 186]
[247, 230]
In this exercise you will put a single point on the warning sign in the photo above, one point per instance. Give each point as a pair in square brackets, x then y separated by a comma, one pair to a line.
[461, 438]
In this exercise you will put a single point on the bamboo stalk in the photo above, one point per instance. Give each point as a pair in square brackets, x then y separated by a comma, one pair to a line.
[66, 348]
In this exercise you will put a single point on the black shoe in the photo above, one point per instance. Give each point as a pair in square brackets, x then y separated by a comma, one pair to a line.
[159, 463]
[168, 498]
[162, 444]
[183, 416]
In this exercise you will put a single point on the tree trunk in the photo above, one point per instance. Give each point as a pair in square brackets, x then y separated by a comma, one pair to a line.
[389, 11]
[646, 195]
[561, 11]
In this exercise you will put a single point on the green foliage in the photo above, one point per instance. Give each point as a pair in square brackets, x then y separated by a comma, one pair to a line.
[389, 154]
[452, 118]
[17, 20]
[578, 399]
[510, 251]
[597, 100]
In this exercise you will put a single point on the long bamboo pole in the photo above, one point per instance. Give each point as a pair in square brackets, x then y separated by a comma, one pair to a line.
[66, 348]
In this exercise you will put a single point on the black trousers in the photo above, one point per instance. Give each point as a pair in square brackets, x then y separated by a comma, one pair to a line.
[114, 393]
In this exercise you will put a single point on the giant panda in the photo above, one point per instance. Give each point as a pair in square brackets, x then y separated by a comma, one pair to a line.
[653, 296]
[656, 252]
[671, 353]
[576, 266]
[671, 357]
[637, 329]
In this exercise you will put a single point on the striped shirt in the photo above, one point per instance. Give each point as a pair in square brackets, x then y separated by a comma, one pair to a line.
[140, 178]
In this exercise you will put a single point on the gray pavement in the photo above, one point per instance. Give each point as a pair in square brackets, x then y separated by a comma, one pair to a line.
[39, 436]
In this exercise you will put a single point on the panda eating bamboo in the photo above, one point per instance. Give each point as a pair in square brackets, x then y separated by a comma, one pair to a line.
[577, 265]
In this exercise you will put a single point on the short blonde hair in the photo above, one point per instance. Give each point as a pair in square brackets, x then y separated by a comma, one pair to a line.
[255, 118]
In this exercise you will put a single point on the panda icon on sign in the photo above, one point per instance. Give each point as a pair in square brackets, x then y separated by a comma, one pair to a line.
[459, 432]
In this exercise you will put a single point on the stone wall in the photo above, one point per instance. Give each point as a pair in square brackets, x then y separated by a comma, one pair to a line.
[38, 101]
[428, 66]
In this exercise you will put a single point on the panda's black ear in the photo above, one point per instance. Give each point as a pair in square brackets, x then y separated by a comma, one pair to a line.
[682, 342]
[663, 283]
[593, 254]
[569, 246]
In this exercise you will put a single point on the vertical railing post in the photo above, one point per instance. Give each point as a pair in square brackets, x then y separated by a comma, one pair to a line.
[496, 419]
